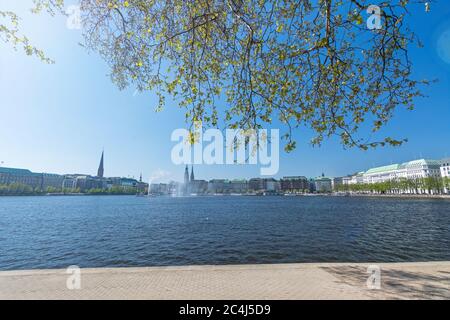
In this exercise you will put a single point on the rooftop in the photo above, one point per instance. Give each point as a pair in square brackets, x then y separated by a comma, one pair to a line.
[294, 178]
[414, 163]
[391, 167]
[321, 178]
[445, 161]
[17, 172]
[422, 162]
[238, 181]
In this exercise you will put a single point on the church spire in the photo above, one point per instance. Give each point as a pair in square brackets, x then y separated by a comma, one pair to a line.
[192, 174]
[100, 171]
[186, 175]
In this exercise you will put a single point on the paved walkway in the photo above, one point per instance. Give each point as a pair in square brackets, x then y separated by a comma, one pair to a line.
[287, 281]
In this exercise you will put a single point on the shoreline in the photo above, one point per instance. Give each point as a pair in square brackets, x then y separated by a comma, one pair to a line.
[398, 196]
[67, 195]
[404, 280]
[371, 195]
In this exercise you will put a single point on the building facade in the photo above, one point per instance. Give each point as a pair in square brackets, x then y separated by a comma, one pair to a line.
[20, 176]
[336, 183]
[217, 186]
[445, 168]
[79, 182]
[239, 186]
[381, 174]
[346, 180]
[323, 184]
[223, 186]
[198, 186]
[297, 184]
[69, 183]
[256, 184]
[416, 169]
[52, 181]
[86, 183]
[417, 176]
[357, 178]
[445, 173]
[159, 189]
[264, 185]
[272, 185]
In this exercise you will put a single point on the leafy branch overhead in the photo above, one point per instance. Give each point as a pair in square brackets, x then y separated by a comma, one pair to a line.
[10, 31]
[307, 63]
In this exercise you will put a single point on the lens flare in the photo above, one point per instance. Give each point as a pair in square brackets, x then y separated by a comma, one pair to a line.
[443, 46]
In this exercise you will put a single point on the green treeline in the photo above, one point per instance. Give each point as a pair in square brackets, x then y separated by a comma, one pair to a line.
[416, 186]
[18, 189]
[115, 190]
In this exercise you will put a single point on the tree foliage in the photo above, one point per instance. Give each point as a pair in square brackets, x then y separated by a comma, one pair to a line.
[308, 63]
[18, 189]
[429, 185]
[10, 28]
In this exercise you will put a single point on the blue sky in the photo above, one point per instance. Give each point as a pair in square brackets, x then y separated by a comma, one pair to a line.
[58, 118]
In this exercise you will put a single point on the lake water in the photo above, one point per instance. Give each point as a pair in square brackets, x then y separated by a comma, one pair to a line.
[56, 232]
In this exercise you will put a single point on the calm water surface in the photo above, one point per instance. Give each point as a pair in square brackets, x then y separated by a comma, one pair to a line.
[55, 232]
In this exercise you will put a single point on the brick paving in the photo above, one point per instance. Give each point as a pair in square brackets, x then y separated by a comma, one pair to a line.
[428, 280]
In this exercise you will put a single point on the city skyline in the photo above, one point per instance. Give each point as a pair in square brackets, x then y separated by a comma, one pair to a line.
[63, 123]
[189, 172]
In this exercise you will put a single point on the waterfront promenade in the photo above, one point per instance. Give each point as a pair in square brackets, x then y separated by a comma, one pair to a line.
[427, 280]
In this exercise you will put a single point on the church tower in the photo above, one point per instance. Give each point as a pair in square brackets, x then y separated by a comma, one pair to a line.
[101, 170]
[186, 181]
[192, 174]
[186, 176]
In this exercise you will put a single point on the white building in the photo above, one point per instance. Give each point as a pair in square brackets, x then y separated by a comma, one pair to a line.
[421, 169]
[445, 168]
[382, 174]
[409, 170]
[354, 179]
[412, 170]
[346, 180]
[445, 172]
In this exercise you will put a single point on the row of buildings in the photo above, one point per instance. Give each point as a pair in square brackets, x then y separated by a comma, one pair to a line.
[420, 176]
[79, 182]
[39, 181]
[413, 171]
[416, 170]
[192, 186]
